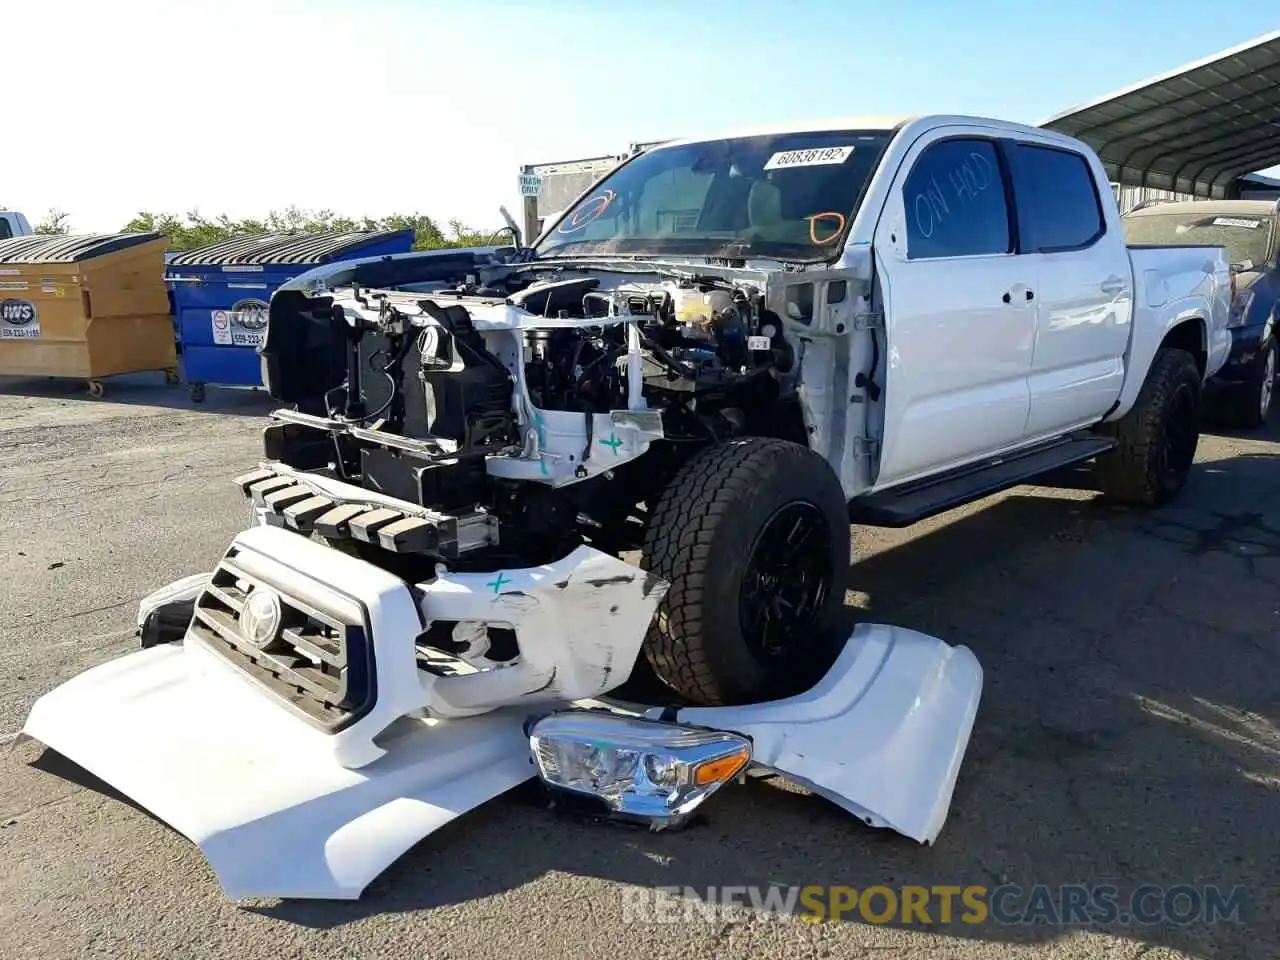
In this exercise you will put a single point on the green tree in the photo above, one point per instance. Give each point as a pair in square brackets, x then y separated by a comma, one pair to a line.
[189, 231]
[55, 223]
[193, 229]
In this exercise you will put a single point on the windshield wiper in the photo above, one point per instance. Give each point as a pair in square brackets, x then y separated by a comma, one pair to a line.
[617, 265]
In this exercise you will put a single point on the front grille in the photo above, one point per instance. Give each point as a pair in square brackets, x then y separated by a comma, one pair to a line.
[317, 661]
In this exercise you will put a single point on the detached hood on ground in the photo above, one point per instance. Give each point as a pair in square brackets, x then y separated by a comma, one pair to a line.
[179, 733]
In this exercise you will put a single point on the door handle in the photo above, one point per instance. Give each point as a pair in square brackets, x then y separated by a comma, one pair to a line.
[1114, 285]
[1008, 295]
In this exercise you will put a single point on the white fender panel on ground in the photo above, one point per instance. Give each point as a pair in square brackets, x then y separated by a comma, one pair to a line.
[882, 734]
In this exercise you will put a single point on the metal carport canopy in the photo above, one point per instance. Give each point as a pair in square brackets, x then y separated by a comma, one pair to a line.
[1193, 130]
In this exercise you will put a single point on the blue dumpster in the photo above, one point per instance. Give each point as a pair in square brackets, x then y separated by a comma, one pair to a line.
[221, 293]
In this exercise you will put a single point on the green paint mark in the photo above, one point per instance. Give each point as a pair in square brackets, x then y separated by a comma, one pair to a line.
[499, 583]
[613, 443]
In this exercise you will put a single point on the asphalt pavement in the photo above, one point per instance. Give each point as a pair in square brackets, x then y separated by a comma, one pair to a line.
[1127, 734]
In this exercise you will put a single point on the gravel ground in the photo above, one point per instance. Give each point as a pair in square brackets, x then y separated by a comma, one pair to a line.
[1127, 733]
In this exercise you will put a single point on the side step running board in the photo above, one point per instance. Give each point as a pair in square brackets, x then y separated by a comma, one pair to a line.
[910, 503]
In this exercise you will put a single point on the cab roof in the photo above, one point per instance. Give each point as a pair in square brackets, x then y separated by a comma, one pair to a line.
[867, 124]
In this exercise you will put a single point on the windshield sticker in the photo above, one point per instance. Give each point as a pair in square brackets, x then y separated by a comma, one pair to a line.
[588, 212]
[1236, 222]
[813, 157]
[832, 225]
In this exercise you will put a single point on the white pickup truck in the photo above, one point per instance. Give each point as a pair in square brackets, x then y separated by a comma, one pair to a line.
[717, 357]
[13, 224]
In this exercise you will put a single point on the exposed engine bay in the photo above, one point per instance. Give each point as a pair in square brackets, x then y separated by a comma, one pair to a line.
[523, 394]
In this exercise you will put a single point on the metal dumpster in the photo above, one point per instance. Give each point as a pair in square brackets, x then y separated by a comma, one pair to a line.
[85, 306]
[221, 293]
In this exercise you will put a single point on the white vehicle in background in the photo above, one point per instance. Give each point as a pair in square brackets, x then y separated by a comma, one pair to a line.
[719, 355]
[13, 224]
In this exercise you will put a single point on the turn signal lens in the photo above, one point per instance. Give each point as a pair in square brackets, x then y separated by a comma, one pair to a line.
[720, 770]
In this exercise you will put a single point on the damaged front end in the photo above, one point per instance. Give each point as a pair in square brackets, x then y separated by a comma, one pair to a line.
[424, 608]
[305, 736]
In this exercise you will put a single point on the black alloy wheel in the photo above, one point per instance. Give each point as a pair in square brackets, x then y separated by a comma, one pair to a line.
[786, 581]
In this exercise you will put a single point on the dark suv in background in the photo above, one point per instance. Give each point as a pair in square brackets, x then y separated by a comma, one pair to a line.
[1241, 393]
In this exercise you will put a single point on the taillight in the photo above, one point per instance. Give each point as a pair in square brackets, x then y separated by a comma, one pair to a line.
[1241, 301]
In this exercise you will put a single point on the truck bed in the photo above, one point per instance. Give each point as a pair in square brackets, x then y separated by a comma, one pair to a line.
[1173, 282]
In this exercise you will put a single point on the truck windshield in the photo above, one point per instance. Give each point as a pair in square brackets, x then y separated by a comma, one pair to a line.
[785, 196]
[1247, 238]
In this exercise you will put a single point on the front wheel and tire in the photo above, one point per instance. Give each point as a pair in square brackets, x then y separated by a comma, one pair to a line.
[753, 536]
[1156, 441]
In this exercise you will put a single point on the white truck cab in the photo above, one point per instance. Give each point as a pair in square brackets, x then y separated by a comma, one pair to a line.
[1015, 312]
[13, 224]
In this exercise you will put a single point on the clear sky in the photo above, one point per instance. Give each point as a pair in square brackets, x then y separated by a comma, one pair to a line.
[430, 106]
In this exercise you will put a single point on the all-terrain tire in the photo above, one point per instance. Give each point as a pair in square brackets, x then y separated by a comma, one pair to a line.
[1156, 441]
[702, 537]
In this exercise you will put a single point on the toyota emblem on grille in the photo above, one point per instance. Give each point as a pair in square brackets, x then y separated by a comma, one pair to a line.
[261, 618]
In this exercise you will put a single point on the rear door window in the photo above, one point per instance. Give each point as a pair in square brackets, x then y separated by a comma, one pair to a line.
[5, 230]
[955, 201]
[1057, 198]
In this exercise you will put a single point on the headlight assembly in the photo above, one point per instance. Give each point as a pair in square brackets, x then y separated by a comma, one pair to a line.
[642, 770]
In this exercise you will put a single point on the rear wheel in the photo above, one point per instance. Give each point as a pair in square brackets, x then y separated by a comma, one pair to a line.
[753, 536]
[1156, 441]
